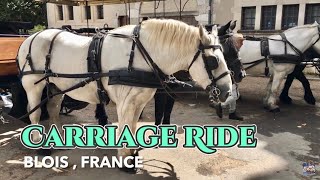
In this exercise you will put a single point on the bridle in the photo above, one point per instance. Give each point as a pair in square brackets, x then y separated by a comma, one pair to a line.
[211, 63]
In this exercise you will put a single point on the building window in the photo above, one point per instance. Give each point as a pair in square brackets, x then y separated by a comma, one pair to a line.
[248, 18]
[87, 12]
[290, 16]
[60, 12]
[268, 17]
[123, 20]
[100, 12]
[312, 13]
[70, 11]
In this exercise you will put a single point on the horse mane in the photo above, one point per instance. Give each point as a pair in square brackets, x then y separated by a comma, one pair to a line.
[171, 35]
[303, 26]
[229, 46]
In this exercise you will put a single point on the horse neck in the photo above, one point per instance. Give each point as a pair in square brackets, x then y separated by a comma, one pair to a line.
[301, 38]
[250, 51]
[169, 59]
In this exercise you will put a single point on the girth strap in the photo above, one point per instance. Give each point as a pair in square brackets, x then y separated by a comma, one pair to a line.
[94, 64]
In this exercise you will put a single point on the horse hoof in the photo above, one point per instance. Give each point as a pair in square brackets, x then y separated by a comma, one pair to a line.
[218, 108]
[310, 100]
[276, 110]
[44, 152]
[285, 99]
[104, 122]
[128, 170]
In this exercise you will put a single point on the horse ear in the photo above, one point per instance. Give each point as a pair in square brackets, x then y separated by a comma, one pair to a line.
[233, 25]
[204, 35]
[214, 30]
[223, 29]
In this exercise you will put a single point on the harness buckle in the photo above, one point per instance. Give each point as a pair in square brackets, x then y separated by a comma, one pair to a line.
[28, 57]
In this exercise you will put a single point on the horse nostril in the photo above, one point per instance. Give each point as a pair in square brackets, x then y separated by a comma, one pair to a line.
[227, 95]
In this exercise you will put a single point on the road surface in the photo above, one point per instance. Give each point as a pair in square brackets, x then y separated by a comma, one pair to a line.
[284, 143]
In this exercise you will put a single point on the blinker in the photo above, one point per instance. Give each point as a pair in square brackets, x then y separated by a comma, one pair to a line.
[212, 62]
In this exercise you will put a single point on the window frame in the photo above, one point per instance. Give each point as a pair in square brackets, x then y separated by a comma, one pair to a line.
[311, 16]
[290, 15]
[272, 16]
[100, 12]
[60, 12]
[252, 18]
[70, 13]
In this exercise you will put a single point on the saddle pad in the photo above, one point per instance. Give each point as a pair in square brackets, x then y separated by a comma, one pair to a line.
[292, 59]
[135, 78]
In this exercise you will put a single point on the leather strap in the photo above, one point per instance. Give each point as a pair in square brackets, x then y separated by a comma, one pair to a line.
[28, 58]
[136, 34]
[284, 38]
[48, 56]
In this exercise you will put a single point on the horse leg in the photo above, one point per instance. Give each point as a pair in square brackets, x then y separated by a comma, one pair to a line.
[34, 93]
[101, 115]
[284, 97]
[129, 109]
[268, 90]
[308, 96]
[168, 109]
[126, 114]
[159, 101]
[53, 107]
[272, 101]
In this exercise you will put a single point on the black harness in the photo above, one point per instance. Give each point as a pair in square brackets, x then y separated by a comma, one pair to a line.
[285, 58]
[116, 76]
[94, 64]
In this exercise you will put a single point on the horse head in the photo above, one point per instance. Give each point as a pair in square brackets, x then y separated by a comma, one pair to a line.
[231, 47]
[231, 43]
[214, 62]
[188, 48]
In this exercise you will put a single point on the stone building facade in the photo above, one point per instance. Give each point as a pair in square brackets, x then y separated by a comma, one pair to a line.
[193, 12]
[272, 16]
[253, 16]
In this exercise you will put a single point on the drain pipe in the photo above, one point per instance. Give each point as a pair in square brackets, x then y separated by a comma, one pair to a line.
[210, 12]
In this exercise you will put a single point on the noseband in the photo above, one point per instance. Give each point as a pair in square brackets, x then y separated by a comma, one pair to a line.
[211, 63]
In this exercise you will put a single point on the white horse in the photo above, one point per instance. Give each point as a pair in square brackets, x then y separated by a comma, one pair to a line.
[171, 44]
[302, 37]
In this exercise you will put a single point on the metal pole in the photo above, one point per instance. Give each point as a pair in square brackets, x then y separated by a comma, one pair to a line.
[154, 9]
[86, 10]
[126, 12]
[180, 11]
[210, 12]
[129, 6]
[164, 8]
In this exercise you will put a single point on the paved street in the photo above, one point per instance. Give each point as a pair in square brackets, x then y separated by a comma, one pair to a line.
[284, 142]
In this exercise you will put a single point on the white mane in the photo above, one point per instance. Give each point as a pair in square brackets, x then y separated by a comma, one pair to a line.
[171, 35]
[303, 26]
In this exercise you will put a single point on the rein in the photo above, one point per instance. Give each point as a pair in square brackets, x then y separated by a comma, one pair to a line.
[96, 76]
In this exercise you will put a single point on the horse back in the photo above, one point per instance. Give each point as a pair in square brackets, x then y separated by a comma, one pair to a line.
[69, 51]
